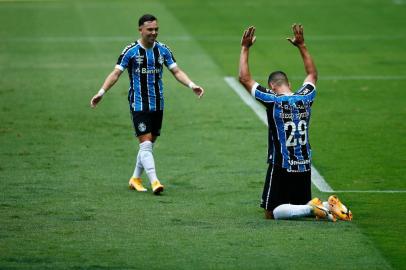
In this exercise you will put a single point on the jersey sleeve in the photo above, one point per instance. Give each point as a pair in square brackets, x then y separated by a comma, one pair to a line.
[169, 61]
[124, 58]
[262, 94]
[308, 90]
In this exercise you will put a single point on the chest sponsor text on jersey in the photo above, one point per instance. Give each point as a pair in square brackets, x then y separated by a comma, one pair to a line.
[148, 71]
[299, 162]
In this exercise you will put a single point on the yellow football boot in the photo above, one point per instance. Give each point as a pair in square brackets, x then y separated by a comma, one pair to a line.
[157, 187]
[136, 184]
[338, 209]
[320, 211]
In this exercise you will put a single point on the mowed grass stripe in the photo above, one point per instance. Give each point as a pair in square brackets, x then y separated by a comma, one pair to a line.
[22, 66]
[186, 38]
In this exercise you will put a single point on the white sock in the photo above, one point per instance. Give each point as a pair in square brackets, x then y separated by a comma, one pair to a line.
[326, 205]
[291, 211]
[147, 160]
[138, 167]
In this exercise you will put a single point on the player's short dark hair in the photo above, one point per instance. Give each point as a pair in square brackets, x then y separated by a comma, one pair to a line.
[146, 18]
[278, 78]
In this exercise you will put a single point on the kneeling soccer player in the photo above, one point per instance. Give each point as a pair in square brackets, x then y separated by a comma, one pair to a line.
[287, 189]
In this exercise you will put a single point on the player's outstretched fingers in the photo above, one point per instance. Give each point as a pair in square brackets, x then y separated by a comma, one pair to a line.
[252, 31]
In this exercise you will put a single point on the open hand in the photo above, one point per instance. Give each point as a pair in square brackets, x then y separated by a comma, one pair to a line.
[248, 37]
[298, 38]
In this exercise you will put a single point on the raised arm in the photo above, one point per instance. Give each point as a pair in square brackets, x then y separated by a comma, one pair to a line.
[244, 74]
[298, 41]
[183, 78]
[111, 79]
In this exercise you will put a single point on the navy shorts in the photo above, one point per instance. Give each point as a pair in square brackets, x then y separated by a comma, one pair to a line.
[147, 122]
[283, 187]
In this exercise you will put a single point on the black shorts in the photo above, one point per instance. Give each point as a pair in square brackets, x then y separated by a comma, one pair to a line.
[147, 122]
[283, 187]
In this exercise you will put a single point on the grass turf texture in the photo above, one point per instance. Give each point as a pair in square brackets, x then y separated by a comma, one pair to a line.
[64, 168]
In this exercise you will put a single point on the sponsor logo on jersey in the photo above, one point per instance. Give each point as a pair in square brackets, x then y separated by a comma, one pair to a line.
[148, 71]
[299, 162]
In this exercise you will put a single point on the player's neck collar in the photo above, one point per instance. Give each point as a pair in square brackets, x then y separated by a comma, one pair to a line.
[145, 48]
[283, 92]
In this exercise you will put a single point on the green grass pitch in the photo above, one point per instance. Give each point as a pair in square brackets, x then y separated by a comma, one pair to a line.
[64, 202]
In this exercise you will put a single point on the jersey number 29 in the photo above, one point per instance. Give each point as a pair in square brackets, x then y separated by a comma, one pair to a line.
[290, 129]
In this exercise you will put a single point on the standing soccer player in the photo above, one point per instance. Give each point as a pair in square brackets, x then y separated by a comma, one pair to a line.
[144, 60]
[287, 189]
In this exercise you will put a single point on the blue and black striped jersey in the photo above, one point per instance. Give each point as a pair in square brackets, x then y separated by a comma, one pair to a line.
[288, 123]
[145, 67]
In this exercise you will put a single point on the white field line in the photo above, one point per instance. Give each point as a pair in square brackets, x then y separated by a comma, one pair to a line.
[247, 98]
[317, 179]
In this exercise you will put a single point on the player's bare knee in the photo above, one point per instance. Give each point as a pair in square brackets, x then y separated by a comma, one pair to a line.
[146, 137]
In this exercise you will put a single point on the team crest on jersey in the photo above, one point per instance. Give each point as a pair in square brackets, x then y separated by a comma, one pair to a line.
[139, 59]
[142, 127]
[160, 59]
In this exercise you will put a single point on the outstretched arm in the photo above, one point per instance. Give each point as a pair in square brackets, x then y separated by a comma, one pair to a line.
[244, 75]
[111, 79]
[183, 78]
[298, 41]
